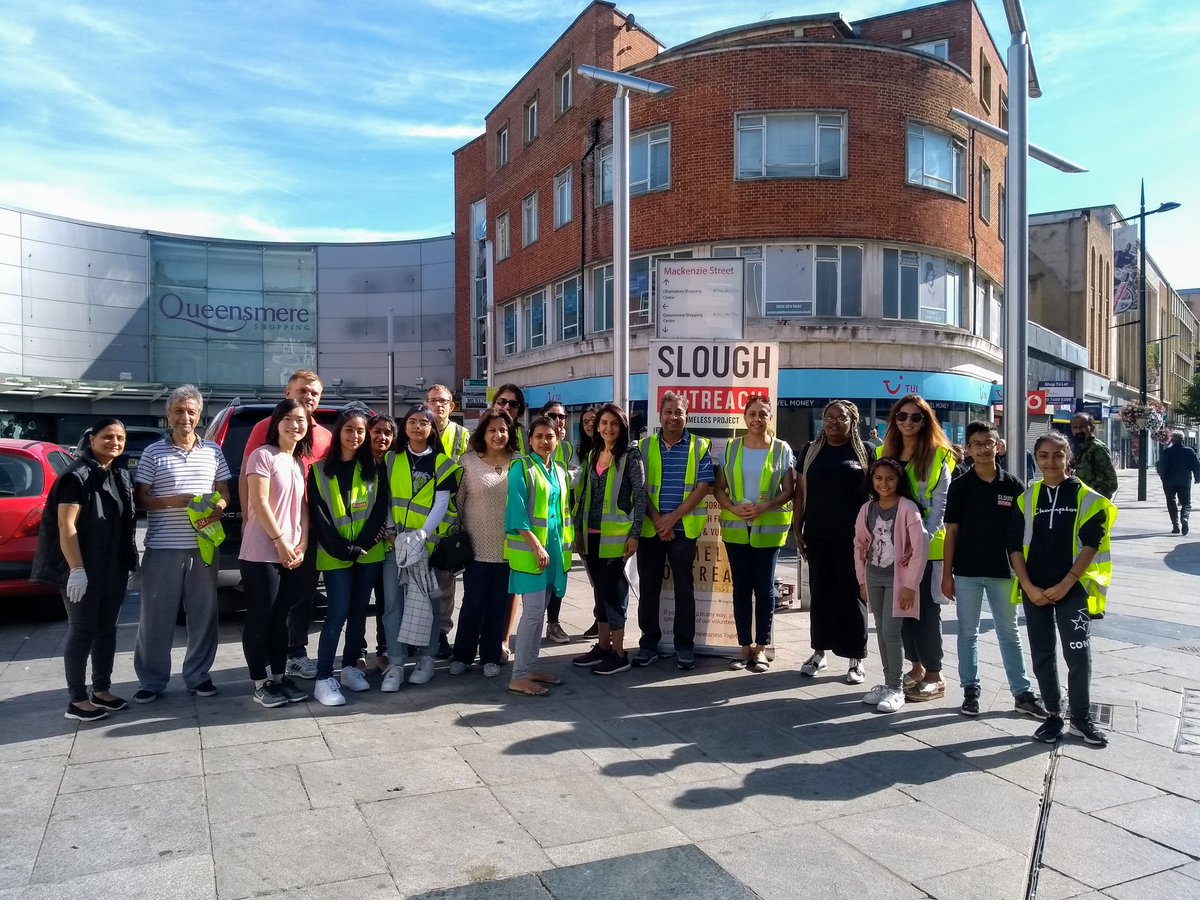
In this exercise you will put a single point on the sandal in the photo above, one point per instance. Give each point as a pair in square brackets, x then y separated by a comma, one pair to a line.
[759, 662]
[528, 692]
[925, 690]
[545, 678]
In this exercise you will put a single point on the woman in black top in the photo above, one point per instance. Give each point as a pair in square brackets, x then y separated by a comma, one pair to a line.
[86, 547]
[831, 486]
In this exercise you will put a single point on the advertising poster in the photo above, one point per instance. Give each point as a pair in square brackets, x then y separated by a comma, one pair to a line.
[1125, 269]
[718, 378]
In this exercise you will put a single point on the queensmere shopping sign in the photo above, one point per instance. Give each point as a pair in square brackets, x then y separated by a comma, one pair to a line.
[287, 317]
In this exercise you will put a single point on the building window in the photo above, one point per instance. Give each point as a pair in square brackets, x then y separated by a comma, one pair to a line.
[1003, 109]
[479, 305]
[502, 147]
[529, 219]
[535, 320]
[753, 277]
[564, 97]
[985, 80]
[1002, 209]
[791, 145]
[985, 192]
[531, 119]
[935, 159]
[602, 298]
[509, 317]
[649, 165]
[566, 309]
[502, 244]
[838, 288]
[563, 192]
[921, 288]
[940, 49]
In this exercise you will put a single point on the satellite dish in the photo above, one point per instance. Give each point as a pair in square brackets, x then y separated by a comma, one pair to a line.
[630, 22]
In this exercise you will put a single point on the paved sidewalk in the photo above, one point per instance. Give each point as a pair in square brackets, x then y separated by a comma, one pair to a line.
[656, 782]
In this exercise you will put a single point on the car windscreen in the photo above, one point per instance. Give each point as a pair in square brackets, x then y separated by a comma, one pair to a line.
[20, 476]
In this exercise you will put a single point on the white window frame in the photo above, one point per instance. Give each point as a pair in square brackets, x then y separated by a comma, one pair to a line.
[601, 307]
[568, 325]
[950, 306]
[502, 146]
[645, 143]
[825, 255]
[1002, 213]
[564, 188]
[529, 219]
[985, 80]
[985, 191]
[921, 137]
[821, 123]
[564, 90]
[939, 48]
[503, 242]
[530, 303]
[531, 119]
[753, 278]
[509, 313]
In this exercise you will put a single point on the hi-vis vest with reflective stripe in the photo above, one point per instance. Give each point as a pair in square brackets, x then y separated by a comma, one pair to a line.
[517, 553]
[615, 523]
[410, 509]
[937, 541]
[693, 522]
[1098, 575]
[771, 528]
[455, 440]
[564, 455]
[348, 522]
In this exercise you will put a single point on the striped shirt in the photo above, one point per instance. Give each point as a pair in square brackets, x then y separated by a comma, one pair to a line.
[168, 470]
[674, 471]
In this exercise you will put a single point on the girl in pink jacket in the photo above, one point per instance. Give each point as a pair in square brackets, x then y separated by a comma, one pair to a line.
[890, 551]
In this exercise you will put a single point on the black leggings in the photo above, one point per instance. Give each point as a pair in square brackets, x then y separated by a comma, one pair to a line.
[923, 637]
[92, 630]
[265, 631]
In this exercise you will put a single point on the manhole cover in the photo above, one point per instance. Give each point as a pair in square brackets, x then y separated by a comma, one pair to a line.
[1188, 738]
[1102, 714]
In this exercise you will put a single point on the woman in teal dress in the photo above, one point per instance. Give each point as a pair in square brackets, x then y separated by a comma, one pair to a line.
[537, 522]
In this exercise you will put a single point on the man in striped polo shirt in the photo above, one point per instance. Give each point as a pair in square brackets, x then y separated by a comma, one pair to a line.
[169, 474]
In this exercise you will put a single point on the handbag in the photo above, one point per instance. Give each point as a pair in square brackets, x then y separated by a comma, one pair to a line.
[453, 551]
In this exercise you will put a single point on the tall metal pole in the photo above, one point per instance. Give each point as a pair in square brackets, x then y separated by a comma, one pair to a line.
[1016, 253]
[1143, 336]
[620, 231]
[391, 372]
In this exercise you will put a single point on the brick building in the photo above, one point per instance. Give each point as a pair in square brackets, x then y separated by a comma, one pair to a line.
[819, 151]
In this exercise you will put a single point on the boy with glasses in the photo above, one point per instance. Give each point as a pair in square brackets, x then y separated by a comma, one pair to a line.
[454, 441]
[979, 508]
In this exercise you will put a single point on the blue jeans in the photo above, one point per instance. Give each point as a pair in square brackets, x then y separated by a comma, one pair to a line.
[970, 593]
[347, 593]
[393, 615]
[752, 570]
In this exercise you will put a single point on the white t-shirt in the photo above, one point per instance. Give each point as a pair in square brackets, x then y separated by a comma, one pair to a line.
[167, 470]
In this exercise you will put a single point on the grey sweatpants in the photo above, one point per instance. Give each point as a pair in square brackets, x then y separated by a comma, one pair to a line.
[169, 576]
[446, 582]
[529, 633]
[887, 629]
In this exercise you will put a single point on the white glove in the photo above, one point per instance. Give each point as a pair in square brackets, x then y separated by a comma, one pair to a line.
[76, 585]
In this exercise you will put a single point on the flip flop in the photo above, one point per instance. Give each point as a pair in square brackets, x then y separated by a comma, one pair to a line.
[545, 678]
[530, 692]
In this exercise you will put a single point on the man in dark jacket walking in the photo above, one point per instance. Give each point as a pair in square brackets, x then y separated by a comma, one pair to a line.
[1178, 468]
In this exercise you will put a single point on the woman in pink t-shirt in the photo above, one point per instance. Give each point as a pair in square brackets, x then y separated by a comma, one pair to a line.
[274, 538]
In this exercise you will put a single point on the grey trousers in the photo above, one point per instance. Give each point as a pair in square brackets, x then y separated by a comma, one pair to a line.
[169, 576]
[446, 581]
[887, 629]
[529, 633]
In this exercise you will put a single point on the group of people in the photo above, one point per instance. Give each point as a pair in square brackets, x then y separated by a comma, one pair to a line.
[375, 506]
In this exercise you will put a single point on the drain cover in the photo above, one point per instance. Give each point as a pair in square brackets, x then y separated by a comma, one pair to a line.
[1102, 714]
[1188, 738]
[1189, 648]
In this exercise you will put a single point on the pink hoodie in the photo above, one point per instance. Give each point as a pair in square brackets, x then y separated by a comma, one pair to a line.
[908, 535]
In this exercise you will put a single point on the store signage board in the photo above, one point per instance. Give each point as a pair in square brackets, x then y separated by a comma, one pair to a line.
[699, 299]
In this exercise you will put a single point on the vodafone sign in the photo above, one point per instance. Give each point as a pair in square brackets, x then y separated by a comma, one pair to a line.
[1035, 403]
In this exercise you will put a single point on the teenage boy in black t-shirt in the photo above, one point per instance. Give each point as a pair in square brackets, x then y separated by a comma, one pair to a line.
[978, 510]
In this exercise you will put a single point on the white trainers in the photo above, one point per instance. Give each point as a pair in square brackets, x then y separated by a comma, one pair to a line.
[458, 667]
[328, 693]
[301, 667]
[856, 674]
[875, 694]
[353, 679]
[491, 670]
[423, 673]
[815, 664]
[892, 701]
[393, 677]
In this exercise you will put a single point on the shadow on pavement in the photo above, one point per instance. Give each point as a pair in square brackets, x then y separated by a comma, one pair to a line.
[1184, 558]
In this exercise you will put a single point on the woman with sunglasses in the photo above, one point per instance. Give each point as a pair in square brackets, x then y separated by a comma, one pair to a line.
[511, 399]
[916, 439]
[587, 439]
[754, 489]
[565, 457]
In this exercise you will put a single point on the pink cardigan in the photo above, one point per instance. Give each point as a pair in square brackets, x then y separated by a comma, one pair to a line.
[908, 534]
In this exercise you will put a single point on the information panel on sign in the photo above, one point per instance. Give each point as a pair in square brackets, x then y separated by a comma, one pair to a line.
[700, 298]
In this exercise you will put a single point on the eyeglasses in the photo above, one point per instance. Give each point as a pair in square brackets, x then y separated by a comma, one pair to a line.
[916, 418]
[441, 401]
[420, 423]
[982, 445]
[504, 401]
[839, 420]
[558, 417]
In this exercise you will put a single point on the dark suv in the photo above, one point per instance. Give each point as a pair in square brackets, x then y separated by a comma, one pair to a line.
[230, 430]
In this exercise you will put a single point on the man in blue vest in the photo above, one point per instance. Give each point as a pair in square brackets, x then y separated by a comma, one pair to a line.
[679, 475]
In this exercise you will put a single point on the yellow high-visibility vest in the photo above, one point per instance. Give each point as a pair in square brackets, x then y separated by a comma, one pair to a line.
[517, 553]
[698, 447]
[348, 522]
[771, 528]
[615, 523]
[937, 541]
[411, 508]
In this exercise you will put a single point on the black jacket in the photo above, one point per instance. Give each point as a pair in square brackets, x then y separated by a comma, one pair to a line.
[1178, 464]
[106, 526]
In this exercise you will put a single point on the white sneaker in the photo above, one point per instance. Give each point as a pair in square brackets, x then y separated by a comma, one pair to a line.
[423, 673]
[328, 693]
[856, 674]
[353, 679]
[301, 667]
[893, 701]
[491, 670]
[815, 664]
[458, 667]
[393, 677]
[875, 695]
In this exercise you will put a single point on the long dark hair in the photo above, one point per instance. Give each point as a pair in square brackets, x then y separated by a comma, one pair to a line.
[622, 443]
[929, 439]
[520, 398]
[363, 455]
[281, 411]
[903, 485]
[435, 433]
[586, 441]
[479, 435]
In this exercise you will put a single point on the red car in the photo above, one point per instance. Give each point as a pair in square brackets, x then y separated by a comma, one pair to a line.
[27, 470]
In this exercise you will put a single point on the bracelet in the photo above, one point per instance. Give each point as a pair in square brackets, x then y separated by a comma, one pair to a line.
[276, 538]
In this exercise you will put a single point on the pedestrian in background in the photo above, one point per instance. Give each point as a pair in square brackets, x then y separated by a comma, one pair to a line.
[1092, 463]
[86, 548]
[1178, 468]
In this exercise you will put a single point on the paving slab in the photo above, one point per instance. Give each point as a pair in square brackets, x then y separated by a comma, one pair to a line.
[985, 803]
[617, 845]
[1171, 821]
[384, 776]
[249, 723]
[254, 793]
[173, 878]
[241, 757]
[138, 732]
[524, 887]
[1170, 885]
[27, 793]
[1053, 885]
[373, 887]
[1100, 855]
[1087, 786]
[704, 810]
[678, 871]
[394, 733]
[1001, 879]
[130, 770]
[35, 730]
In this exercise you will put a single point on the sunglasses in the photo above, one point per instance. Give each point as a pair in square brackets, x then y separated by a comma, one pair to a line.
[504, 401]
[558, 417]
[916, 418]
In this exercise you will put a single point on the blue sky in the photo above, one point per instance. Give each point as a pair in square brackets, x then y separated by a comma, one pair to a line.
[306, 120]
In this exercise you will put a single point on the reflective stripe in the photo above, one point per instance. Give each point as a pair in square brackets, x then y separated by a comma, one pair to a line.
[615, 523]
[518, 554]
[698, 447]
[348, 522]
[771, 528]
[410, 512]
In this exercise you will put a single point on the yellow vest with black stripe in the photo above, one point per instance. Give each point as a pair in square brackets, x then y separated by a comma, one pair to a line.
[455, 440]
[411, 508]
[771, 528]
[937, 541]
[698, 447]
[348, 522]
[518, 554]
[1098, 575]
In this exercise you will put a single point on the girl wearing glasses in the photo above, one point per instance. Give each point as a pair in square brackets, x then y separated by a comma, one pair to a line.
[916, 439]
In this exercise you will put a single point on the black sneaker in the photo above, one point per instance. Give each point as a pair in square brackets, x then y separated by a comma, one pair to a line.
[593, 631]
[145, 695]
[612, 664]
[114, 704]
[1174, 529]
[1184, 527]
[84, 715]
[1089, 732]
[1049, 731]
[205, 689]
[444, 651]
[970, 704]
[593, 657]
[685, 659]
[291, 691]
[1029, 704]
